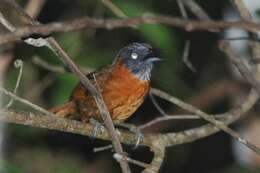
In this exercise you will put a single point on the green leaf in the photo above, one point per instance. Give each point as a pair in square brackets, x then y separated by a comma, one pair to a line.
[63, 87]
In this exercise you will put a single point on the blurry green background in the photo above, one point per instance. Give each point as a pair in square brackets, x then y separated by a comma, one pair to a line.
[29, 149]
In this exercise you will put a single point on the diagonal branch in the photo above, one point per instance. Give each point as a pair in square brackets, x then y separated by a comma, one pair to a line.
[196, 9]
[203, 131]
[34, 106]
[245, 15]
[240, 65]
[211, 119]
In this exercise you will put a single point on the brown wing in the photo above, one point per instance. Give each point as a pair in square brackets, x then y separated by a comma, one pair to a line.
[85, 104]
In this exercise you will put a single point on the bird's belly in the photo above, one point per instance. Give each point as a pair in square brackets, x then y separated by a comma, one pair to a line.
[123, 107]
[124, 99]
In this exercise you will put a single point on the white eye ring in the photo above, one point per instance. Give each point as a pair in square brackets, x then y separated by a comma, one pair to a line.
[134, 55]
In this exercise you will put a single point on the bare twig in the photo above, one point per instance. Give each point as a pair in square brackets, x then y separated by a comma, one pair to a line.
[158, 148]
[243, 11]
[196, 9]
[107, 147]
[182, 9]
[203, 131]
[118, 12]
[207, 117]
[33, 8]
[128, 159]
[34, 106]
[86, 22]
[167, 118]
[205, 98]
[245, 15]
[186, 49]
[6, 23]
[156, 105]
[185, 56]
[39, 87]
[241, 66]
[53, 68]
[18, 64]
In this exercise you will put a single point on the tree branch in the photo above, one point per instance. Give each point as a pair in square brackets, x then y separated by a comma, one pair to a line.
[87, 22]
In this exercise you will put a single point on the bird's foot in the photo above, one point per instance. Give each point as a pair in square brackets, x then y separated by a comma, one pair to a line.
[132, 128]
[98, 127]
[138, 135]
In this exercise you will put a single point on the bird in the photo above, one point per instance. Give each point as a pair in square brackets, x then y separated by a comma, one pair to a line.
[124, 85]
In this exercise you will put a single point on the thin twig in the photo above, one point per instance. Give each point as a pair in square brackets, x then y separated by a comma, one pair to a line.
[245, 15]
[117, 11]
[55, 68]
[130, 160]
[186, 50]
[242, 9]
[158, 147]
[33, 8]
[32, 105]
[240, 38]
[50, 67]
[99, 149]
[167, 118]
[6, 23]
[185, 56]
[156, 104]
[196, 9]
[18, 64]
[231, 116]
[182, 9]
[241, 66]
[39, 87]
[209, 118]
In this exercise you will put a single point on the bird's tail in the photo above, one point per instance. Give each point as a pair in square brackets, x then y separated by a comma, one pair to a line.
[66, 110]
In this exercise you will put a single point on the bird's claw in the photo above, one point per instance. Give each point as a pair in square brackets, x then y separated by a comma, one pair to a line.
[98, 127]
[138, 136]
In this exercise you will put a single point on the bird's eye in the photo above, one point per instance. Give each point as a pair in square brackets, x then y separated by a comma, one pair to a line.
[134, 55]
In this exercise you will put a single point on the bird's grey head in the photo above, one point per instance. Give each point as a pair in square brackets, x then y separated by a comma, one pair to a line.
[139, 59]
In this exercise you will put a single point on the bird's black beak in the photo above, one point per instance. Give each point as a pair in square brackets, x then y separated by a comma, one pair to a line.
[153, 59]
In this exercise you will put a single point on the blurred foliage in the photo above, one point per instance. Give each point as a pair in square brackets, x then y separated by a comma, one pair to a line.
[10, 168]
